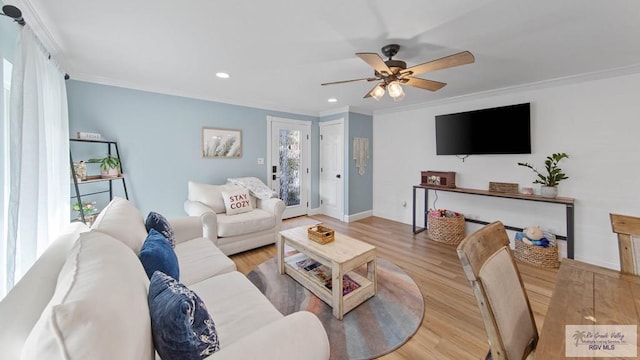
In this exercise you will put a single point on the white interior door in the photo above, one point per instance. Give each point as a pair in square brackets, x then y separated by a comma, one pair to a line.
[289, 163]
[332, 168]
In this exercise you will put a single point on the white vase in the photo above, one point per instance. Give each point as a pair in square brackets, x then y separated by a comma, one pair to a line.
[549, 191]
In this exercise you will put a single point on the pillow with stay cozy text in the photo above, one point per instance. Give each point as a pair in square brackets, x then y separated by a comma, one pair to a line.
[237, 202]
[161, 224]
[180, 323]
[158, 255]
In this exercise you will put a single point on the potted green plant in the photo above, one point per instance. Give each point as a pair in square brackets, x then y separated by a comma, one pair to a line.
[109, 166]
[552, 178]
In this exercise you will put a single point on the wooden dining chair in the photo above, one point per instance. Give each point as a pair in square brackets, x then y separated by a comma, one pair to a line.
[508, 320]
[628, 230]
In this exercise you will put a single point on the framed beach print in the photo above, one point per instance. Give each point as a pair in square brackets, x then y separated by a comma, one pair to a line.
[221, 143]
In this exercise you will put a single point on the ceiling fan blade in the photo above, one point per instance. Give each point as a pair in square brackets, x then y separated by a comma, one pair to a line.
[458, 59]
[375, 61]
[423, 84]
[348, 81]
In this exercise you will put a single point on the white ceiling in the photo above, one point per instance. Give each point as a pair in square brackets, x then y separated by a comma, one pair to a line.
[278, 52]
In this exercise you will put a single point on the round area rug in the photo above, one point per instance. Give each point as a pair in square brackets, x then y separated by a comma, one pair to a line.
[374, 328]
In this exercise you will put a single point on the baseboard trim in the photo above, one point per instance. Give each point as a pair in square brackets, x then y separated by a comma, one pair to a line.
[358, 216]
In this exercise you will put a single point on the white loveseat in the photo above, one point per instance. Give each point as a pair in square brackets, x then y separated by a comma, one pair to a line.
[238, 232]
[86, 298]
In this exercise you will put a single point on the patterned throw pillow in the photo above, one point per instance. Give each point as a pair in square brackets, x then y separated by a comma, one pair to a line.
[237, 202]
[161, 224]
[181, 325]
[157, 254]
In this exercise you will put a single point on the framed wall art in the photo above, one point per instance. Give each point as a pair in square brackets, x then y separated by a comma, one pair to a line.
[221, 143]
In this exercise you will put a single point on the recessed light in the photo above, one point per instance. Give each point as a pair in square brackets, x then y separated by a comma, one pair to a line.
[222, 75]
[332, 100]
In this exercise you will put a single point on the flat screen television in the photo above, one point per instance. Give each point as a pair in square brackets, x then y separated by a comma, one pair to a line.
[499, 130]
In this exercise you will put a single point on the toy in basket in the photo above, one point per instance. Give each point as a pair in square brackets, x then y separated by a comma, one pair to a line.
[536, 247]
[446, 226]
[320, 234]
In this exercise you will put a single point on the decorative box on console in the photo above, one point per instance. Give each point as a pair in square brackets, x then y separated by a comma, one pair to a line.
[445, 179]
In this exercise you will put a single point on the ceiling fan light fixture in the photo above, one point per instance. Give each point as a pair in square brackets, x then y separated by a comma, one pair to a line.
[399, 97]
[395, 91]
[378, 92]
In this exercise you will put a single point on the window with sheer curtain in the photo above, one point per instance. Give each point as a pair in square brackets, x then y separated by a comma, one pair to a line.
[4, 170]
[36, 160]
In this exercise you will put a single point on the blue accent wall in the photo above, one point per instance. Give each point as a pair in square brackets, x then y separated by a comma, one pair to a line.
[360, 186]
[159, 138]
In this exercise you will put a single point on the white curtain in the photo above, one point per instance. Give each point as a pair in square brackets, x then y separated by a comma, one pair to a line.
[38, 206]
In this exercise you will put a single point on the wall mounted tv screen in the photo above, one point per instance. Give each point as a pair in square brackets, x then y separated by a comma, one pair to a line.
[500, 130]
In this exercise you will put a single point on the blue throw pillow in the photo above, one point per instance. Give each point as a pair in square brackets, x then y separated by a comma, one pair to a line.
[161, 224]
[157, 254]
[180, 323]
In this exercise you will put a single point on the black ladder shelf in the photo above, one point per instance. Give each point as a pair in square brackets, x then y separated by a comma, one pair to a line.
[76, 182]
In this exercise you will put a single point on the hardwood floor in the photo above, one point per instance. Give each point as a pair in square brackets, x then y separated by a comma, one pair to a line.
[452, 327]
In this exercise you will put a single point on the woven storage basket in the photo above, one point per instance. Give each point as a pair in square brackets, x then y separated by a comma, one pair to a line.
[448, 230]
[321, 234]
[538, 255]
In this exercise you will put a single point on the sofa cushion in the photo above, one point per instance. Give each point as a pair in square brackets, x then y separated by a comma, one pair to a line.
[161, 224]
[236, 202]
[200, 259]
[207, 194]
[158, 255]
[236, 305]
[181, 325]
[245, 223]
[123, 221]
[99, 306]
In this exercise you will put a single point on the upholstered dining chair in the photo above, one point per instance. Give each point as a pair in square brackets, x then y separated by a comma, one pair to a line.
[628, 230]
[508, 320]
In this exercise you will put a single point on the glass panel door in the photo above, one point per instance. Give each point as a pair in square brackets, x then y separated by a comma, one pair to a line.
[289, 171]
[290, 161]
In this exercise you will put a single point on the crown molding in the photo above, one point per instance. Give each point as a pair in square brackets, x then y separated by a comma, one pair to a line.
[345, 109]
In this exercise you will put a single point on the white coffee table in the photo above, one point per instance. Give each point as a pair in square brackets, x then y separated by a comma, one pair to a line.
[342, 256]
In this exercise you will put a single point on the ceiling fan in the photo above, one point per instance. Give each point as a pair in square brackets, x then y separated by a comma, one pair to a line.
[392, 73]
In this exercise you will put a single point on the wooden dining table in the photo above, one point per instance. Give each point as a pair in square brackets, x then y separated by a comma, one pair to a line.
[586, 294]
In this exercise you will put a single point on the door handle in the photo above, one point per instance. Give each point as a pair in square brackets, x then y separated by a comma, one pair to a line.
[338, 176]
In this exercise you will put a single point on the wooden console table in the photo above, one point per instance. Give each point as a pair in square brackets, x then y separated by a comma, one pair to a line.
[567, 202]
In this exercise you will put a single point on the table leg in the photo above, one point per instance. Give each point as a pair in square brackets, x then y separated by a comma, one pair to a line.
[336, 290]
[372, 274]
[280, 251]
[414, 210]
[416, 229]
[570, 235]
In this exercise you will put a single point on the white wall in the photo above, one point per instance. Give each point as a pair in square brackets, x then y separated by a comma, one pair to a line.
[597, 122]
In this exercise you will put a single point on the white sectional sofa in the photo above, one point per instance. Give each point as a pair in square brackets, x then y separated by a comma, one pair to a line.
[238, 232]
[86, 298]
